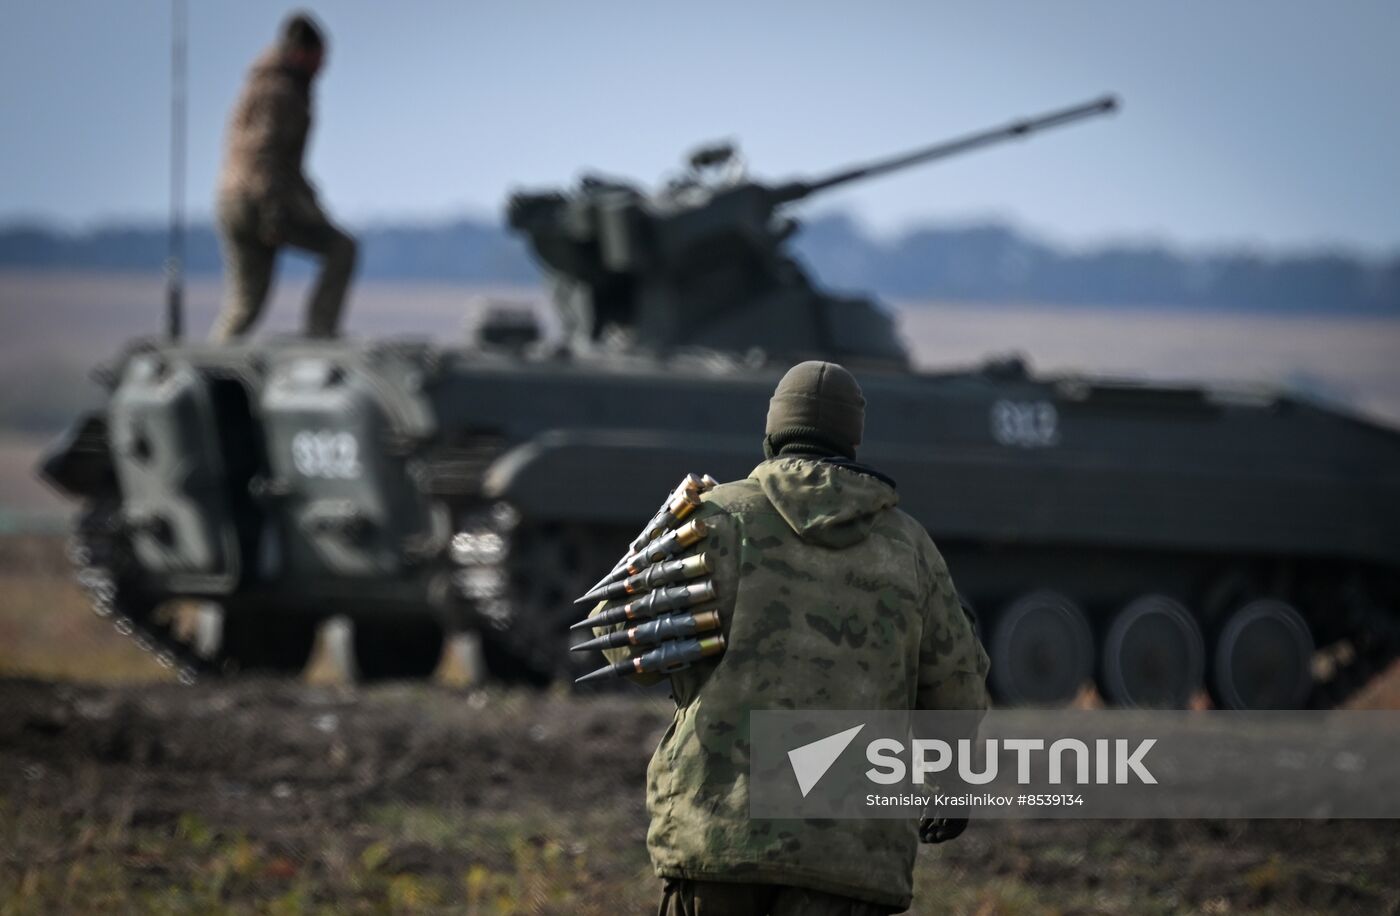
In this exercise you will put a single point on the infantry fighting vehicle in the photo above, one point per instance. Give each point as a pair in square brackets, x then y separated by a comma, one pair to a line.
[1153, 539]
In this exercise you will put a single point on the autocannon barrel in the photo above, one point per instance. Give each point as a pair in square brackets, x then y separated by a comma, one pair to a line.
[797, 190]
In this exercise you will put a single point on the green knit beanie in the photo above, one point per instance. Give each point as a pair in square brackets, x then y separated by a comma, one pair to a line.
[818, 404]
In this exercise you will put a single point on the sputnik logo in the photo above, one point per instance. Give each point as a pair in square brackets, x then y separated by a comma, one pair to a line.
[811, 761]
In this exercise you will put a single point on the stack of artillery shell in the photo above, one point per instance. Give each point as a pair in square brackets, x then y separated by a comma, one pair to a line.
[646, 580]
[677, 505]
[663, 548]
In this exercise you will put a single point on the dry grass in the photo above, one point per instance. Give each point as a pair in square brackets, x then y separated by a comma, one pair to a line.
[47, 631]
[267, 797]
[24, 498]
[400, 860]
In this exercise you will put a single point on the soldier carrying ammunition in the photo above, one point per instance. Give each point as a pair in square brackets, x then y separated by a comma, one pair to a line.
[265, 200]
[814, 592]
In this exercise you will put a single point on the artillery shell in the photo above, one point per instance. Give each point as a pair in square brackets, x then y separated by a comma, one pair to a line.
[671, 626]
[684, 536]
[679, 503]
[674, 509]
[672, 514]
[652, 577]
[653, 604]
[667, 545]
[690, 483]
[664, 659]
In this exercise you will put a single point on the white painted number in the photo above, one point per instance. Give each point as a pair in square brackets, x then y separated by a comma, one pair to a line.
[324, 453]
[1026, 424]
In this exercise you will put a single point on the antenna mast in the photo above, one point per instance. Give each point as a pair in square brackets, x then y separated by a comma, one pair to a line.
[175, 259]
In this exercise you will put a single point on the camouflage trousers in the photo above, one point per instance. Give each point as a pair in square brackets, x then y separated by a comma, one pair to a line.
[682, 897]
[252, 231]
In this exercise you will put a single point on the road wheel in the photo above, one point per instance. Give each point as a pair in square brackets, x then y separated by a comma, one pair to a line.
[275, 642]
[396, 648]
[1262, 658]
[1152, 656]
[1042, 651]
[506, 662]
[550, 566]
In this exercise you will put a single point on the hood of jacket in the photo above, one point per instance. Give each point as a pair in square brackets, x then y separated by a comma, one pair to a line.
[825, 503]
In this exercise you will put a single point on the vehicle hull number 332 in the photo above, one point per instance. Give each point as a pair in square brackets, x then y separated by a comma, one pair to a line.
[326, 453]
[1025, 424]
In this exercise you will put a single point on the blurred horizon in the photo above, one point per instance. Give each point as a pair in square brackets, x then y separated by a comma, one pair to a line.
[816, 215]
[989, 263]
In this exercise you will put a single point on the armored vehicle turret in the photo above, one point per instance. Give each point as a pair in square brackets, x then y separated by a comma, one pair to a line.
[1152, 540]
[702, 262]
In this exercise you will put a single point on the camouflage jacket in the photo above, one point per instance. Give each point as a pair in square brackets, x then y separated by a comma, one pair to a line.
[831, 599]
[266, 140]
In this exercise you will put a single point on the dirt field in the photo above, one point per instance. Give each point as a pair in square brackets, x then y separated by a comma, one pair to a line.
[284, 797]
[121, 791]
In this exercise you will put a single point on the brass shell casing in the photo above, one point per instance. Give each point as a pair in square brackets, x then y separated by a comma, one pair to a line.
[706, 621]
[691, 533]
[679, 503]
[668, 545]
[673, 514]
[665, 573]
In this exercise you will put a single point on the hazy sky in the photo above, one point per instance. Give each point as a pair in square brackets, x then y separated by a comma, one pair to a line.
[1274, 123]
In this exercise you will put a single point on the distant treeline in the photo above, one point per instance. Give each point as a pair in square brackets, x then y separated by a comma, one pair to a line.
[989, 263]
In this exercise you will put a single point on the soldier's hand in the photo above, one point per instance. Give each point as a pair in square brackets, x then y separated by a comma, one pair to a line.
[941, 829]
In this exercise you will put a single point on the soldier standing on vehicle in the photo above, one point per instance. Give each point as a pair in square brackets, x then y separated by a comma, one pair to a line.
[830, 597]
[265, 200]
